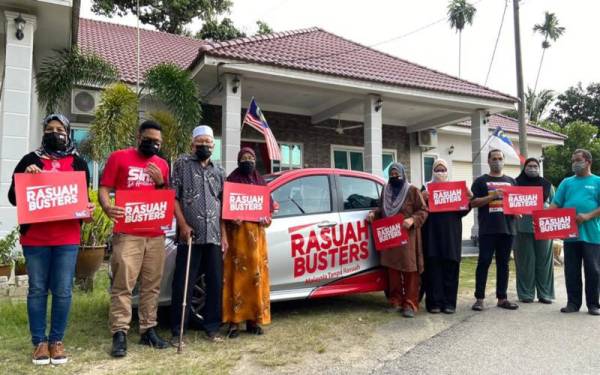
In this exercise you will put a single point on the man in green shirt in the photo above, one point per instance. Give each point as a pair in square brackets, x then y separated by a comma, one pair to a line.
[582, 192]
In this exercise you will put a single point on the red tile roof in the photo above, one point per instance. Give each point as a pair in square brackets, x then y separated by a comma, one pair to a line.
[117, 44]
[312, 50]
[316, 50]
[511, 125]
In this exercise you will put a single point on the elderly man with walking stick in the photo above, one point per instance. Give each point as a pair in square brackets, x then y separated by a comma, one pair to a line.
[198, 188]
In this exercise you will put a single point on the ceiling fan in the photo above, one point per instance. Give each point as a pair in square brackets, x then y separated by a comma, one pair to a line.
[339, 128]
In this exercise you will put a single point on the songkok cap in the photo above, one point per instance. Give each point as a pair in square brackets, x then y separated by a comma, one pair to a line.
[202, 130]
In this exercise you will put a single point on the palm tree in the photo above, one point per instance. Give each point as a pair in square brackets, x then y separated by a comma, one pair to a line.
[460, 13]
[551, 31]
[58, 75]
[537, 103]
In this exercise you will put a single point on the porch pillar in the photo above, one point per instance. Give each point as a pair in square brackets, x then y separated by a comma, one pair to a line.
[373, 136]
[231, 121]
[479, 136]
[15, 111]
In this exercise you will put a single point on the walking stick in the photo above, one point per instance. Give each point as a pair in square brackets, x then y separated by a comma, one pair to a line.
[185, 294]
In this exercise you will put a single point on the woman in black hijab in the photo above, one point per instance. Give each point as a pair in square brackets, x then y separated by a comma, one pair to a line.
[533, 258]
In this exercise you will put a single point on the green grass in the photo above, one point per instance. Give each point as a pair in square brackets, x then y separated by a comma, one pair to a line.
[299, 329]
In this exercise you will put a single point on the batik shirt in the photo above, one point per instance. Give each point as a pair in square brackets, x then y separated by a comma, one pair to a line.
[199, 191]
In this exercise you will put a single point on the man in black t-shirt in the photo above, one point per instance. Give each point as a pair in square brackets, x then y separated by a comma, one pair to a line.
[496, 230]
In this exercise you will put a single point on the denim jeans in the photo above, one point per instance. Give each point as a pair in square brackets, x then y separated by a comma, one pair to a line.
[49, 268]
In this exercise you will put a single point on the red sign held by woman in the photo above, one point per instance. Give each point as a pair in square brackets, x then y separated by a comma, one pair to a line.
[389, 233]
[51, 196]
[448, 196]
[522, 200]
[145, 210]
[554, 224]
[246, 202]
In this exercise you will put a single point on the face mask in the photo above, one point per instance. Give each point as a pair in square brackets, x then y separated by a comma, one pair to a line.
[496, 166]
[440, 176]
[148, 147]
[203, 152]
[54, 141]
[532, 172]
[395, 181]
[578, 167]
[246, 166]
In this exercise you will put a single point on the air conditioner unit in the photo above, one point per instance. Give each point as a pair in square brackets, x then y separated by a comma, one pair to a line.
[84, 101]
[427, 138]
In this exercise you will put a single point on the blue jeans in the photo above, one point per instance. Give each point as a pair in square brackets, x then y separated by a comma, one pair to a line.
[49, 268]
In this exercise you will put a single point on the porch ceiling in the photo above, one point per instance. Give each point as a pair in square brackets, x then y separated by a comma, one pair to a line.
[322, 97]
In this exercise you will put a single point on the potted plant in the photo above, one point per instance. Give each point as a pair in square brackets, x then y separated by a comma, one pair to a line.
[7, 244]
[94, 237]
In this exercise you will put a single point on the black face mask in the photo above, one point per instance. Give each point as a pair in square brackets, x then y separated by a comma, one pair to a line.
[203, 152]
[54, 141]
[396, 181]
[148, 147]
[246, 167]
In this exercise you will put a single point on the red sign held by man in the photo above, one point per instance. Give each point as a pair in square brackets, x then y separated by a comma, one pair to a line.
[448, 196]
[389, 233]
[522, 200]
[246, 202]
[43, 197]
[145, 210]
[554, 224]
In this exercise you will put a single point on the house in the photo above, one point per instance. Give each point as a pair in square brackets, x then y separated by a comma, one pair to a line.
[30, 31]
[330, 102]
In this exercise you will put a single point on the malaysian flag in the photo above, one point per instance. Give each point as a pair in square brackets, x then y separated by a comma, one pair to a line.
[499, 140]
[256, 120]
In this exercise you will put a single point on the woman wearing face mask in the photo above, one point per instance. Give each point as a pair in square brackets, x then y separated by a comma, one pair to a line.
[246, 294]
[404, 263]
[533, 258]
[50, 248]
[442, 238]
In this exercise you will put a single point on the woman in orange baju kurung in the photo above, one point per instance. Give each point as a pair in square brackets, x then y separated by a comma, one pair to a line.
[246, 294]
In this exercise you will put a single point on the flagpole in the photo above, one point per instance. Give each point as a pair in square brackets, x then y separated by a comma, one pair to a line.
[482, 147]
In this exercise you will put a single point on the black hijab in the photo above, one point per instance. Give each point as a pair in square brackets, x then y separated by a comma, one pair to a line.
[524, 180]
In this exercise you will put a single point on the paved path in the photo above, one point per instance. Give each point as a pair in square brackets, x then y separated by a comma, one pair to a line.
[536, 339]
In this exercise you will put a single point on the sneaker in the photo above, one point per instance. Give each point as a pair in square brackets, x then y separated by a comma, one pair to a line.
[408, 312]
[569, 309]
[119, 346]
[594, 311]
[151, 338]
[478, 305]
[41, 355]
[57, 353]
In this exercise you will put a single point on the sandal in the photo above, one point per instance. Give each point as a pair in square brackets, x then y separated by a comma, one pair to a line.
[233, 332]
[214, 337]
[255, 329]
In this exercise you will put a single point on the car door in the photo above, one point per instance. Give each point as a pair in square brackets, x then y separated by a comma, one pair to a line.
[357, 196]
[297, 238]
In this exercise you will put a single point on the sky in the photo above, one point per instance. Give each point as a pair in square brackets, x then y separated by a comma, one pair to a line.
[418, 32]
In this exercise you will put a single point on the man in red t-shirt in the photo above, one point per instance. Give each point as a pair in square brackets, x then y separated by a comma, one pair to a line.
[135, 253]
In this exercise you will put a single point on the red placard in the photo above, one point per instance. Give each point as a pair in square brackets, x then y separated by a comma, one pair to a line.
[145, 210]
[448, 196]
[522, 200]
[554, 224]
[51, 196]
[246, 202]
[388, 232]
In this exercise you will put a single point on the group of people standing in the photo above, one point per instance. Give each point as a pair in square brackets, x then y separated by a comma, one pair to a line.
[232, 254]
[429, 263]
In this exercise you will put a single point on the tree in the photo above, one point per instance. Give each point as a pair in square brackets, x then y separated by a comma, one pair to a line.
[551, 31]
[175, 141]
[557, 159]
[58, 74]
[115, 123]
[219, 31]
[460, 13]
[166, 15]
[537, 103]
[263, 28]
[577, 104]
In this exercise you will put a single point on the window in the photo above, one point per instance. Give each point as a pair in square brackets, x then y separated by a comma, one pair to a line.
[359, 193]
[79, 136]
[428, 161]
[352, 158]
[291, 157]
[303, 196]
[215, 157]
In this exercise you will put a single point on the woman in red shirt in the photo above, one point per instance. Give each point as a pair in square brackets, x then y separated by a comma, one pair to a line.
[50, 248]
